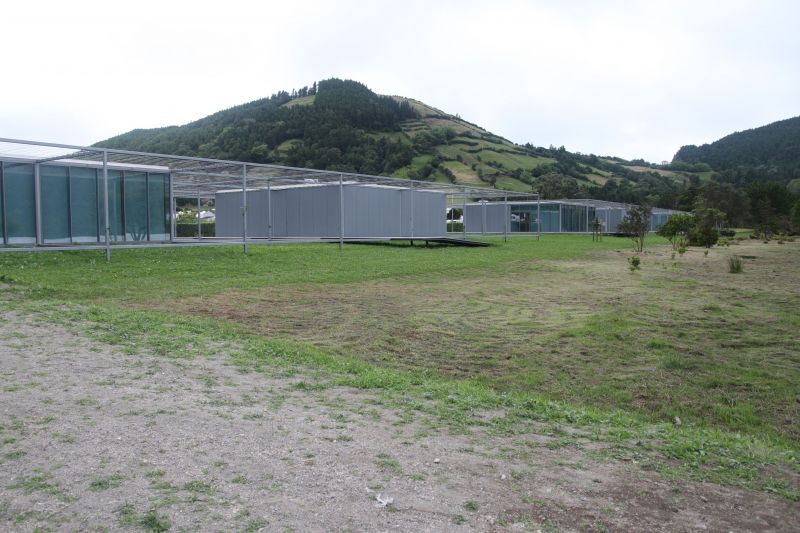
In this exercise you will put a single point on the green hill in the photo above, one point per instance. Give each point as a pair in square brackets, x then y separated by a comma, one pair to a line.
[769, 152]
[342, 125]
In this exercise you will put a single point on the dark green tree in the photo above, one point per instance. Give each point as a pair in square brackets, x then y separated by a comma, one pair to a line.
[705, 231]
[676, 229]
[636, 224]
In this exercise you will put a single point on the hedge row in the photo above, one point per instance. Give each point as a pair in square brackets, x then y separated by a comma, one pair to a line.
[189, 229]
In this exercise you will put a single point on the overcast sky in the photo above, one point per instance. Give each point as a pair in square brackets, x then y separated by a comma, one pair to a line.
[633, 79]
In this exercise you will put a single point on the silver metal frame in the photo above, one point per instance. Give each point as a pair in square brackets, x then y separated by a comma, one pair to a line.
[191, 177]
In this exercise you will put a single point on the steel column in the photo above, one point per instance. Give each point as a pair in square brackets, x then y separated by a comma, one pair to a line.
[244, 208]
[269, 210]
[4, 236]
[412, 214]
[199, 228]
[538, 217]
[559, 218]
[587, 217]
[172, 228]
[506, 216]
[37, 201]
[341, 212]
[464, 216]
[105, 206]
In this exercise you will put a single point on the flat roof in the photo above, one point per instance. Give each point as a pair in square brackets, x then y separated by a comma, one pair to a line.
[197, 175]
[590, 202]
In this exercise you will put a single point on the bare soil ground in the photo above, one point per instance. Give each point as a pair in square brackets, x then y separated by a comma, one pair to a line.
[97, 439]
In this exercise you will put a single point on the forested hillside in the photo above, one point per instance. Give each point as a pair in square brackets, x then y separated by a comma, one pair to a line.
[756, 175]
[342, 125]
[769, 152]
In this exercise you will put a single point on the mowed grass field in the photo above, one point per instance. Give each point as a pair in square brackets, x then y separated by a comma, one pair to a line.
[680, 359]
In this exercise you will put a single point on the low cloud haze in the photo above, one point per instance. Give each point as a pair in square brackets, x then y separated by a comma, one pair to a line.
[633, 79]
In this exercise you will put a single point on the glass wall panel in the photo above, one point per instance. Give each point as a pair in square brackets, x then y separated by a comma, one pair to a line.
[573, 218]
[2, 228]
[20, 203]
[135, 206]
[549, 216]
[522, 218]
[54, 203]
[158, 199]
[83, 199]
[114, 205]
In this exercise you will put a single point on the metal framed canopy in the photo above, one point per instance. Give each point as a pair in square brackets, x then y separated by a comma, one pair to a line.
[196, 177]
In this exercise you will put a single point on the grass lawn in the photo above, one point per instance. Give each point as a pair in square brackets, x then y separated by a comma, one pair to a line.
[558, 329]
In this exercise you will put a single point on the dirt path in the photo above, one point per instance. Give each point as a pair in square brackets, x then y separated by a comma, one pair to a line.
[92, 438]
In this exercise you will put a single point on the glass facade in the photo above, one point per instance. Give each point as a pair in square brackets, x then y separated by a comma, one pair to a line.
[85, 207]
[20, 203]
[557, 217]
[158, 202]
[71, 202]
[55, 204]
[135, 206]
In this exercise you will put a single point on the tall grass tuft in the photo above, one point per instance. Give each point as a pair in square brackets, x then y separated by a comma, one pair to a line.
[735, 264]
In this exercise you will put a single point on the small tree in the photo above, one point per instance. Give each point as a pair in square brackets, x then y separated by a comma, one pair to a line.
[794, 218]
[597, 228]
[636, 224]
[676, 229]
[705, 232]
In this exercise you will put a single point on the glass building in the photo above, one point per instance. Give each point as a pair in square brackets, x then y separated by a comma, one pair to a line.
[63, 203]
[552, 216]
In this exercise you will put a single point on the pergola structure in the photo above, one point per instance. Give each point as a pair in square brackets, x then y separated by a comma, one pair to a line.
[197, 178]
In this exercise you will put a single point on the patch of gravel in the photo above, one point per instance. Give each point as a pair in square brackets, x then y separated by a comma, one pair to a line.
[93, 438]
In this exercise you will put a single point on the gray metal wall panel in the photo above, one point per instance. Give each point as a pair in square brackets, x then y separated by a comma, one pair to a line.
[430, 208]
[473, 218]
[229, 214]
[314, 212]
[496, 218]
[257, 213]
[372, 211]
[488, 218]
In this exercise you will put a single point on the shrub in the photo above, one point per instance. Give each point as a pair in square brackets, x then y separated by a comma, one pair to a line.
[735, 264]
[190, 229]
[636, 224]
[456, 227]
[705, 232]
[727, 232]
[676, 228]
[634, 262]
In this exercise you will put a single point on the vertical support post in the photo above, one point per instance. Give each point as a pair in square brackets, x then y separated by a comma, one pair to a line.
[560, 205]
[483, 217]
[269, 210]
[171, 210]
[538, 216]
[412, 213]
[506, 216]
[464, 215]
[37, 201]
[587, 218]
[244, 208]
[341, 212]
[105, 207]
[199, 228]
